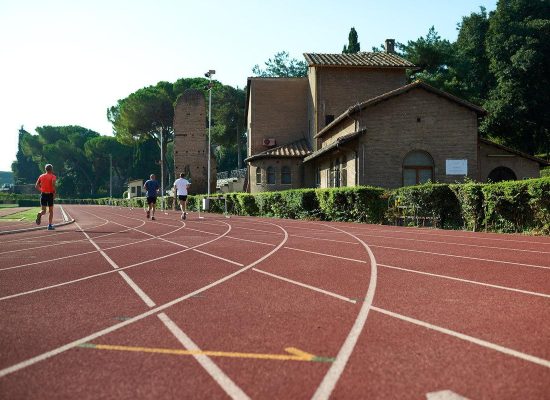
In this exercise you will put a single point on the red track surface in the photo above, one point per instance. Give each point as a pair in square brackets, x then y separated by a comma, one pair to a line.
[388, 312]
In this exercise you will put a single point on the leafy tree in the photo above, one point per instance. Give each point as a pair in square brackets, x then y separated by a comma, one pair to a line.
[63, 147]
[433, 56]
[146, 114]
[281, 66]
[353, 45]
[472, 78]
[25, 170]
[518, 49]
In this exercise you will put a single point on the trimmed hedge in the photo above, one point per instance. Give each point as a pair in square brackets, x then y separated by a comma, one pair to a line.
[514, 206]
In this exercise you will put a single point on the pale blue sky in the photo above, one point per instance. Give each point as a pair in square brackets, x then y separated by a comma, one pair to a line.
[64, 62]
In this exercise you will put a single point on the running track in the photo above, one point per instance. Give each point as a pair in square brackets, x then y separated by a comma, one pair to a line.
[116, 306]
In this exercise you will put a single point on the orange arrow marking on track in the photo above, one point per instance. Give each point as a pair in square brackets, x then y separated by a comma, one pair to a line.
[294, 353]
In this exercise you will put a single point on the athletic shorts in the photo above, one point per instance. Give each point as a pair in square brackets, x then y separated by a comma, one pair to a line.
[183, 198]
[46, 199]
[151, 200]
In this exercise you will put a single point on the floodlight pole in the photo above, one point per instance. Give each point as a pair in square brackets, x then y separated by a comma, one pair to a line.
[110, 179]
[209, 74]
[161, 170]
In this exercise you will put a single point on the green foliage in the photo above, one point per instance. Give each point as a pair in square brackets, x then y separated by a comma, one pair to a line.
[432, 55]
[6, 178]
[429, 204]
[519, 54]
[281, 66]
[353, 44]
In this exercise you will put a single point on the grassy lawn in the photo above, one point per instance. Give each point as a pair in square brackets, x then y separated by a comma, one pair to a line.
[29, 215]
[7, 205]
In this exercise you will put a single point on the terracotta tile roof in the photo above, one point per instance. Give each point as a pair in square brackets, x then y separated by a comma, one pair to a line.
[339, 142]
[298, 149]
[361, 59]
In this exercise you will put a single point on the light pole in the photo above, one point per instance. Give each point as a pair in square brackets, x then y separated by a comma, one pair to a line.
[110, 179]
[161, 170]
[209, 76]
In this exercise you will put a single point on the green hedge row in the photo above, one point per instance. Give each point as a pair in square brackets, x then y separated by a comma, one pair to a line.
[514, 206]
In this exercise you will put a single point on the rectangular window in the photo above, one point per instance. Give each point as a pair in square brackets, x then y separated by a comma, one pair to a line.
[258, 176]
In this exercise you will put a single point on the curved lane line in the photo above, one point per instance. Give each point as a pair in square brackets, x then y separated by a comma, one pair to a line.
[332, 376]
[93, 336]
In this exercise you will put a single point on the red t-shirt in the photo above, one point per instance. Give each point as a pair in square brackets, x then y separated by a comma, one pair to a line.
[47, 182]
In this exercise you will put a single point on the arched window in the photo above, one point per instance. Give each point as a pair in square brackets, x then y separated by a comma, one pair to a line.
[270, 175]
[418, 167]
[258, 176]
[500, 174]
[286, 178]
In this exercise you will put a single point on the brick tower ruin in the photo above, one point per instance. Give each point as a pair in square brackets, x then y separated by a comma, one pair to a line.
[191, 142]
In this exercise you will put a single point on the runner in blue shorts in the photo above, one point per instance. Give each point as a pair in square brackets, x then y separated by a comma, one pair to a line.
[152, 188]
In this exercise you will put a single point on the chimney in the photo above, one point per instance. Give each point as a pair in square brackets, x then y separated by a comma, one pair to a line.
[390, 45]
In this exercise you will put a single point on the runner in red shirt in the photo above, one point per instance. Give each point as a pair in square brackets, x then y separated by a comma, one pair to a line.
[46, 185]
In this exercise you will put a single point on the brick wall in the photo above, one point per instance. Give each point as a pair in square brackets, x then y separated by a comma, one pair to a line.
[191, 142]
[296, 171]
[416, 120]
[342, 87]
[278, 110]
[491, 157]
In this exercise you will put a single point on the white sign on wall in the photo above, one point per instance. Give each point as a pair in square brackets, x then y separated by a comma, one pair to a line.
[456, 167]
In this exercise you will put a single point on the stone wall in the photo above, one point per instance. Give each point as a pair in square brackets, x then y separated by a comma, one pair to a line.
[191, 142]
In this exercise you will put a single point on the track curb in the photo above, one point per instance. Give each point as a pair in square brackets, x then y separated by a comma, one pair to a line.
[66, 221]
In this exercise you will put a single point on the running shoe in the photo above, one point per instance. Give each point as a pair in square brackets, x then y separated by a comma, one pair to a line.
[51, 228]
[184, 215]
[148, 213]
[152, 218]
[38, 218]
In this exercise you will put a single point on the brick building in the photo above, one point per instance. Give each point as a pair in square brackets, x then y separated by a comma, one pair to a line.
[354, 121]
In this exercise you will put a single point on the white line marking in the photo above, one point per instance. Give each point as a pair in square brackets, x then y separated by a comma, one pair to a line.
[457, 256]
[305, 285]
[483, 343]
[328, 383]
[326, 255]
[89, 338]
[467, 281]
[444, 395]
[397, 238]
[65, 217]
[206, 362]
[471, 339]
[142, 295]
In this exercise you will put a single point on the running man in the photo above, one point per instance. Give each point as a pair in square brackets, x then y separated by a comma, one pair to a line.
[180, 190]
[46, 185]
[152, 188]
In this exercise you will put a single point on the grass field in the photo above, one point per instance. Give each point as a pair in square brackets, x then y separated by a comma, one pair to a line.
[7, 205]
[28, 215]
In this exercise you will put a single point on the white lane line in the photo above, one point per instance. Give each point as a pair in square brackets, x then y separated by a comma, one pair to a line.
[142, 295]
[230, 388]
[251, 241]
[417, 231]
[453, 243]
[328, 240]
[109, 272]
[467, 281]
[93, 336]
[316, 289]
[65, 217]
[331, 378]
[457, 256]
[467, 338]
[444, 395]
[326, 255]
[459, 335]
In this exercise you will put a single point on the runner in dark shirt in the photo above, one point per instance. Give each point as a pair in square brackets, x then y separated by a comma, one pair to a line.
[152, 188]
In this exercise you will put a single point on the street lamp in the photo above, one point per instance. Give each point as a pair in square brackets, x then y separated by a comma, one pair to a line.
[110, 179]
[161, 169]
[209, 76]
